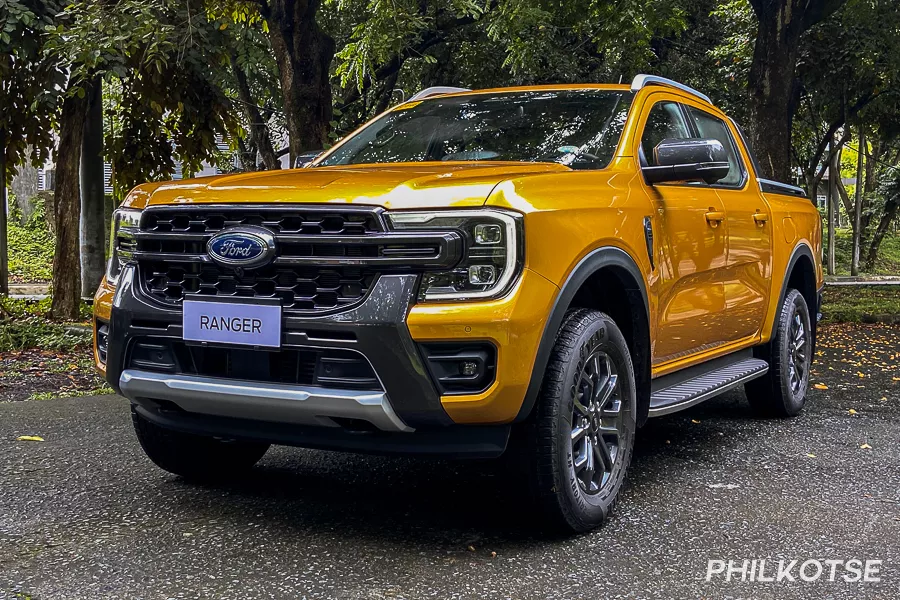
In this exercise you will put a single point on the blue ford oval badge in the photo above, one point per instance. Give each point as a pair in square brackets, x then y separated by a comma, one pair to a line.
[244, 247]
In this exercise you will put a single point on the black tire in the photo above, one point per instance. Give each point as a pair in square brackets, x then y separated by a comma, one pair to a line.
[195, 456]
[564, 490]
[783, 390]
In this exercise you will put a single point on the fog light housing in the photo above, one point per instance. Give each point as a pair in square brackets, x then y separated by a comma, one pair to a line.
[461, 367]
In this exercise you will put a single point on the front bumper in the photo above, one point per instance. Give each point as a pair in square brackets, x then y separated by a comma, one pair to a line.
[407, 414]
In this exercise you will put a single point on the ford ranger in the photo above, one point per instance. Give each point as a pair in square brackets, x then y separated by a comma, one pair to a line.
[538, 268]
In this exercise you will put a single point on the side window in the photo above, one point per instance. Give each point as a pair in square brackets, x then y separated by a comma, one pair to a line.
[664, 121]
[715, 128]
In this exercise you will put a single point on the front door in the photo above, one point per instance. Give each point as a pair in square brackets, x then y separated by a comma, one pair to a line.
[691, 246]
[749, 265]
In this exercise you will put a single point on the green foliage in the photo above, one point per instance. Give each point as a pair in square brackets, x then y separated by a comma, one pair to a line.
[35, 332]
[888, 262]
[30, 247]
[159, 57]
[23, 324]
[29, 81]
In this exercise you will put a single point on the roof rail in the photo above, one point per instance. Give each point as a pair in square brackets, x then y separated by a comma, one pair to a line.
[642, 81]
[436, 91]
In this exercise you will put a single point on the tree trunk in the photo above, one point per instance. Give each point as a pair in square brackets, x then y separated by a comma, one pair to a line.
[887, 217]
[259, 133]
[857, 205]
[771, 81]
[93, 214]
[832, 209]
[4, 252]
[67, 209]
[303, 52]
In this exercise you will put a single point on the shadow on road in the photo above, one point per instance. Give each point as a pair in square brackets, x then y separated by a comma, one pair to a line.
[413, 501]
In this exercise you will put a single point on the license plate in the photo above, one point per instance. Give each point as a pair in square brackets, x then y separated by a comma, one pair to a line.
[232, 323]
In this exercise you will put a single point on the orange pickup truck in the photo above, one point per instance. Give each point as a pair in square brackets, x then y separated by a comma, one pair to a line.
[537, 268]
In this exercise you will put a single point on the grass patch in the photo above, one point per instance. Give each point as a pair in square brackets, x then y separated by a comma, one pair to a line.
[101, 390]
[24, 325]
[888, 262]
[855, 304]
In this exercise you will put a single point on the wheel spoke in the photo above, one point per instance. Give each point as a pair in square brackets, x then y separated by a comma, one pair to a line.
[589, 468]
[605, 392]
[603, 455]
[578, 433]
[613, 409]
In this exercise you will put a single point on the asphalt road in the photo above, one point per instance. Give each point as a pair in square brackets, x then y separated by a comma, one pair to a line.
[84, 514]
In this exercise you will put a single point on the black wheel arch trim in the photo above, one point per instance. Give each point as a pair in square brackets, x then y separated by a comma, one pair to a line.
[801, 250]
[607, 256]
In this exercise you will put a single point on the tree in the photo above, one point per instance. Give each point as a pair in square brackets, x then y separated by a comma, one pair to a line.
[157, 53]
[772, 77]
[28, 96]
[303, 52]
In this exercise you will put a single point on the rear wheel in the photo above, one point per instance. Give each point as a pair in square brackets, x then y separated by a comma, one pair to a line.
[582, 437]
[782, 391]
[195, 456]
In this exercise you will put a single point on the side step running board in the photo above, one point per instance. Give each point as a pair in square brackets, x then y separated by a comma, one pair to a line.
[683, 389]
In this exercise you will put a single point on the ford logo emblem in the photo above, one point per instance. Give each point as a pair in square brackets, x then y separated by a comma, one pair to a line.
[242, 247]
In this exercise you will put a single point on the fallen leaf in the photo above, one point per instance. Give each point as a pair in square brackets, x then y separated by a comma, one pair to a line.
[820, 386]
[861, 375]
[30, 438]
[852, 412]
[866, 447]
[695, 421]
[810, 455]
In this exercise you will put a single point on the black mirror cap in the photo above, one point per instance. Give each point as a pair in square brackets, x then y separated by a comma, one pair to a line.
[304, 158]
[688, 160]
[691, 150]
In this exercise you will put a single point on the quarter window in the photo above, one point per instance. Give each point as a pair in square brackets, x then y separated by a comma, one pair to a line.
[665, 121]
[711, 127]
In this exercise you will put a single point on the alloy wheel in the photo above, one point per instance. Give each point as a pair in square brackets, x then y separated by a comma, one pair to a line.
[798, 354]
[597, 423]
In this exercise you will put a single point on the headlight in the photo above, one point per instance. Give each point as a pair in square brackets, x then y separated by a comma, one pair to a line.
[125, 222]
[493, 256]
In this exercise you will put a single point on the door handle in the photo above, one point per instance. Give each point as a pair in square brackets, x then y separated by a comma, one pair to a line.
[760, 218]
[714, 217]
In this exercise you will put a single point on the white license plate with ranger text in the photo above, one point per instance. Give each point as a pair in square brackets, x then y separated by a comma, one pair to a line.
[232, 323]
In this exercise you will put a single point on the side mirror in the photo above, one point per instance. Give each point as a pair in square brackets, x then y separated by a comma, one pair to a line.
[687, 160]
[304, 158]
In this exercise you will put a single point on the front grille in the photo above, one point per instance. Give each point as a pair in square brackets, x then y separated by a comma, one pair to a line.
[302, 289]
[172, 262]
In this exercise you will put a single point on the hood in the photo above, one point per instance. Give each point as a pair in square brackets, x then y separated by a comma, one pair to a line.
[392, 186]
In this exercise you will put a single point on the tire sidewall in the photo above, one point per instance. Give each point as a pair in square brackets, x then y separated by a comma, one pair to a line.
[794, 303]
[601, 334]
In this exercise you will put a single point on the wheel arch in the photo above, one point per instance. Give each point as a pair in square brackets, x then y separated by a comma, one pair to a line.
[609, 280]
[801, 276]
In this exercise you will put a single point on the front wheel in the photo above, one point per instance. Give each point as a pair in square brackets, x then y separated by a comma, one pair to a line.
[582, 436]
[782, 391]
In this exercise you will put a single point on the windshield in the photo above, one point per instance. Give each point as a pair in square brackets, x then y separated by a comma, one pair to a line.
[578, 128]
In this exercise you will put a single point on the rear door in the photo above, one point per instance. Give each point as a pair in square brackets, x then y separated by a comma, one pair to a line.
[748, 271]
[691, 244]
